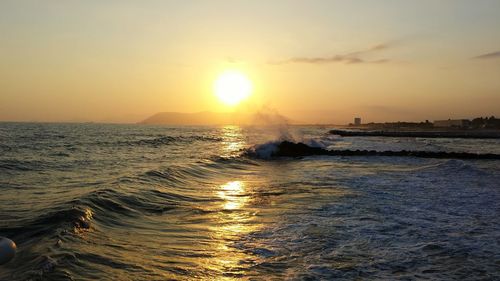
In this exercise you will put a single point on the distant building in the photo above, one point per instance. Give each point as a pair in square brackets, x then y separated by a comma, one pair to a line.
[460, 123]
[357, 121]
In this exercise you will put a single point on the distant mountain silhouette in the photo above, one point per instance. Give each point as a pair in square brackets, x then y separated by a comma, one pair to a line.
[199, 118]
[213, 118]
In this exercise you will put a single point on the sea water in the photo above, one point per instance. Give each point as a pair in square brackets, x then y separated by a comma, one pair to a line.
[134, 202]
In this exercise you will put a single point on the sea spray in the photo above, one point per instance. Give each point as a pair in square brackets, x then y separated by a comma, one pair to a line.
[273, 124]
[276, 128]
[265, 150]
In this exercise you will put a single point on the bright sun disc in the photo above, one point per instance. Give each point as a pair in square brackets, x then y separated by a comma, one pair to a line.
[232, 87]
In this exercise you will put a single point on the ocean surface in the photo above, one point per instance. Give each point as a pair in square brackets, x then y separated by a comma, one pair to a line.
[135, 202]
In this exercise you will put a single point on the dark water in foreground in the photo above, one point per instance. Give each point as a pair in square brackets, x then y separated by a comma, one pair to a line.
[128, 202]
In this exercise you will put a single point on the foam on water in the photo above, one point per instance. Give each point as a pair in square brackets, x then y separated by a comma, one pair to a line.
[265, 150]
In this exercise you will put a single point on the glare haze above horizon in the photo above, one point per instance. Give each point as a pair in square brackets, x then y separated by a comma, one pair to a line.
[313, 61]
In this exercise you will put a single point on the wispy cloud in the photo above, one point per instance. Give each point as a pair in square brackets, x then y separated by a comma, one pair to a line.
[493, 55]
[356, 57]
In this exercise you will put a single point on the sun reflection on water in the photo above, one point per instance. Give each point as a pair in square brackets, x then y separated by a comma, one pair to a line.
[234, 220]
[233, 217]
[233, 195]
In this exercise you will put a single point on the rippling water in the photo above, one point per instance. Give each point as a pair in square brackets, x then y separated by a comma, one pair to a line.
[130, 202]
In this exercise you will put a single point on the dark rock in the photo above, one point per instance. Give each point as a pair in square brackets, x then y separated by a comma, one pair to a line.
[290, 149]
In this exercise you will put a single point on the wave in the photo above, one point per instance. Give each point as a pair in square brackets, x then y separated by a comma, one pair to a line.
[4, 147]
[456, 166]
[107, 206]
[166, 140]
[110, 205]
[161, 190]
[102, 207]
[19, 165]
[59, 220]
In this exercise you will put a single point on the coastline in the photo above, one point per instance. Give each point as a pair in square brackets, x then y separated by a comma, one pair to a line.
[466, 134]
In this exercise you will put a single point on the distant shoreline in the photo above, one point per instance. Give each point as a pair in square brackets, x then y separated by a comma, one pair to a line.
[465, 134]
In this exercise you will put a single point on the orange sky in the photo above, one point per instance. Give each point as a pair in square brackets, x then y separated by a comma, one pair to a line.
[313, 61]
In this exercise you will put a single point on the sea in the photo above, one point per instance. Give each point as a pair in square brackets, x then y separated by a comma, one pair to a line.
[143, 202]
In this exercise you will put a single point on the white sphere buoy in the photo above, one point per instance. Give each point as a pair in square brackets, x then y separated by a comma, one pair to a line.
[7, 250]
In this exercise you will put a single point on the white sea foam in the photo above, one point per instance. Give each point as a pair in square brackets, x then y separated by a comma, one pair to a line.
[265, 150]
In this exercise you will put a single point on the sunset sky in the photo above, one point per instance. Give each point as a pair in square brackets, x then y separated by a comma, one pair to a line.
[313, 61]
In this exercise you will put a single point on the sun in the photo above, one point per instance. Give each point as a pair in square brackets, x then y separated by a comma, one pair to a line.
[232, 87]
